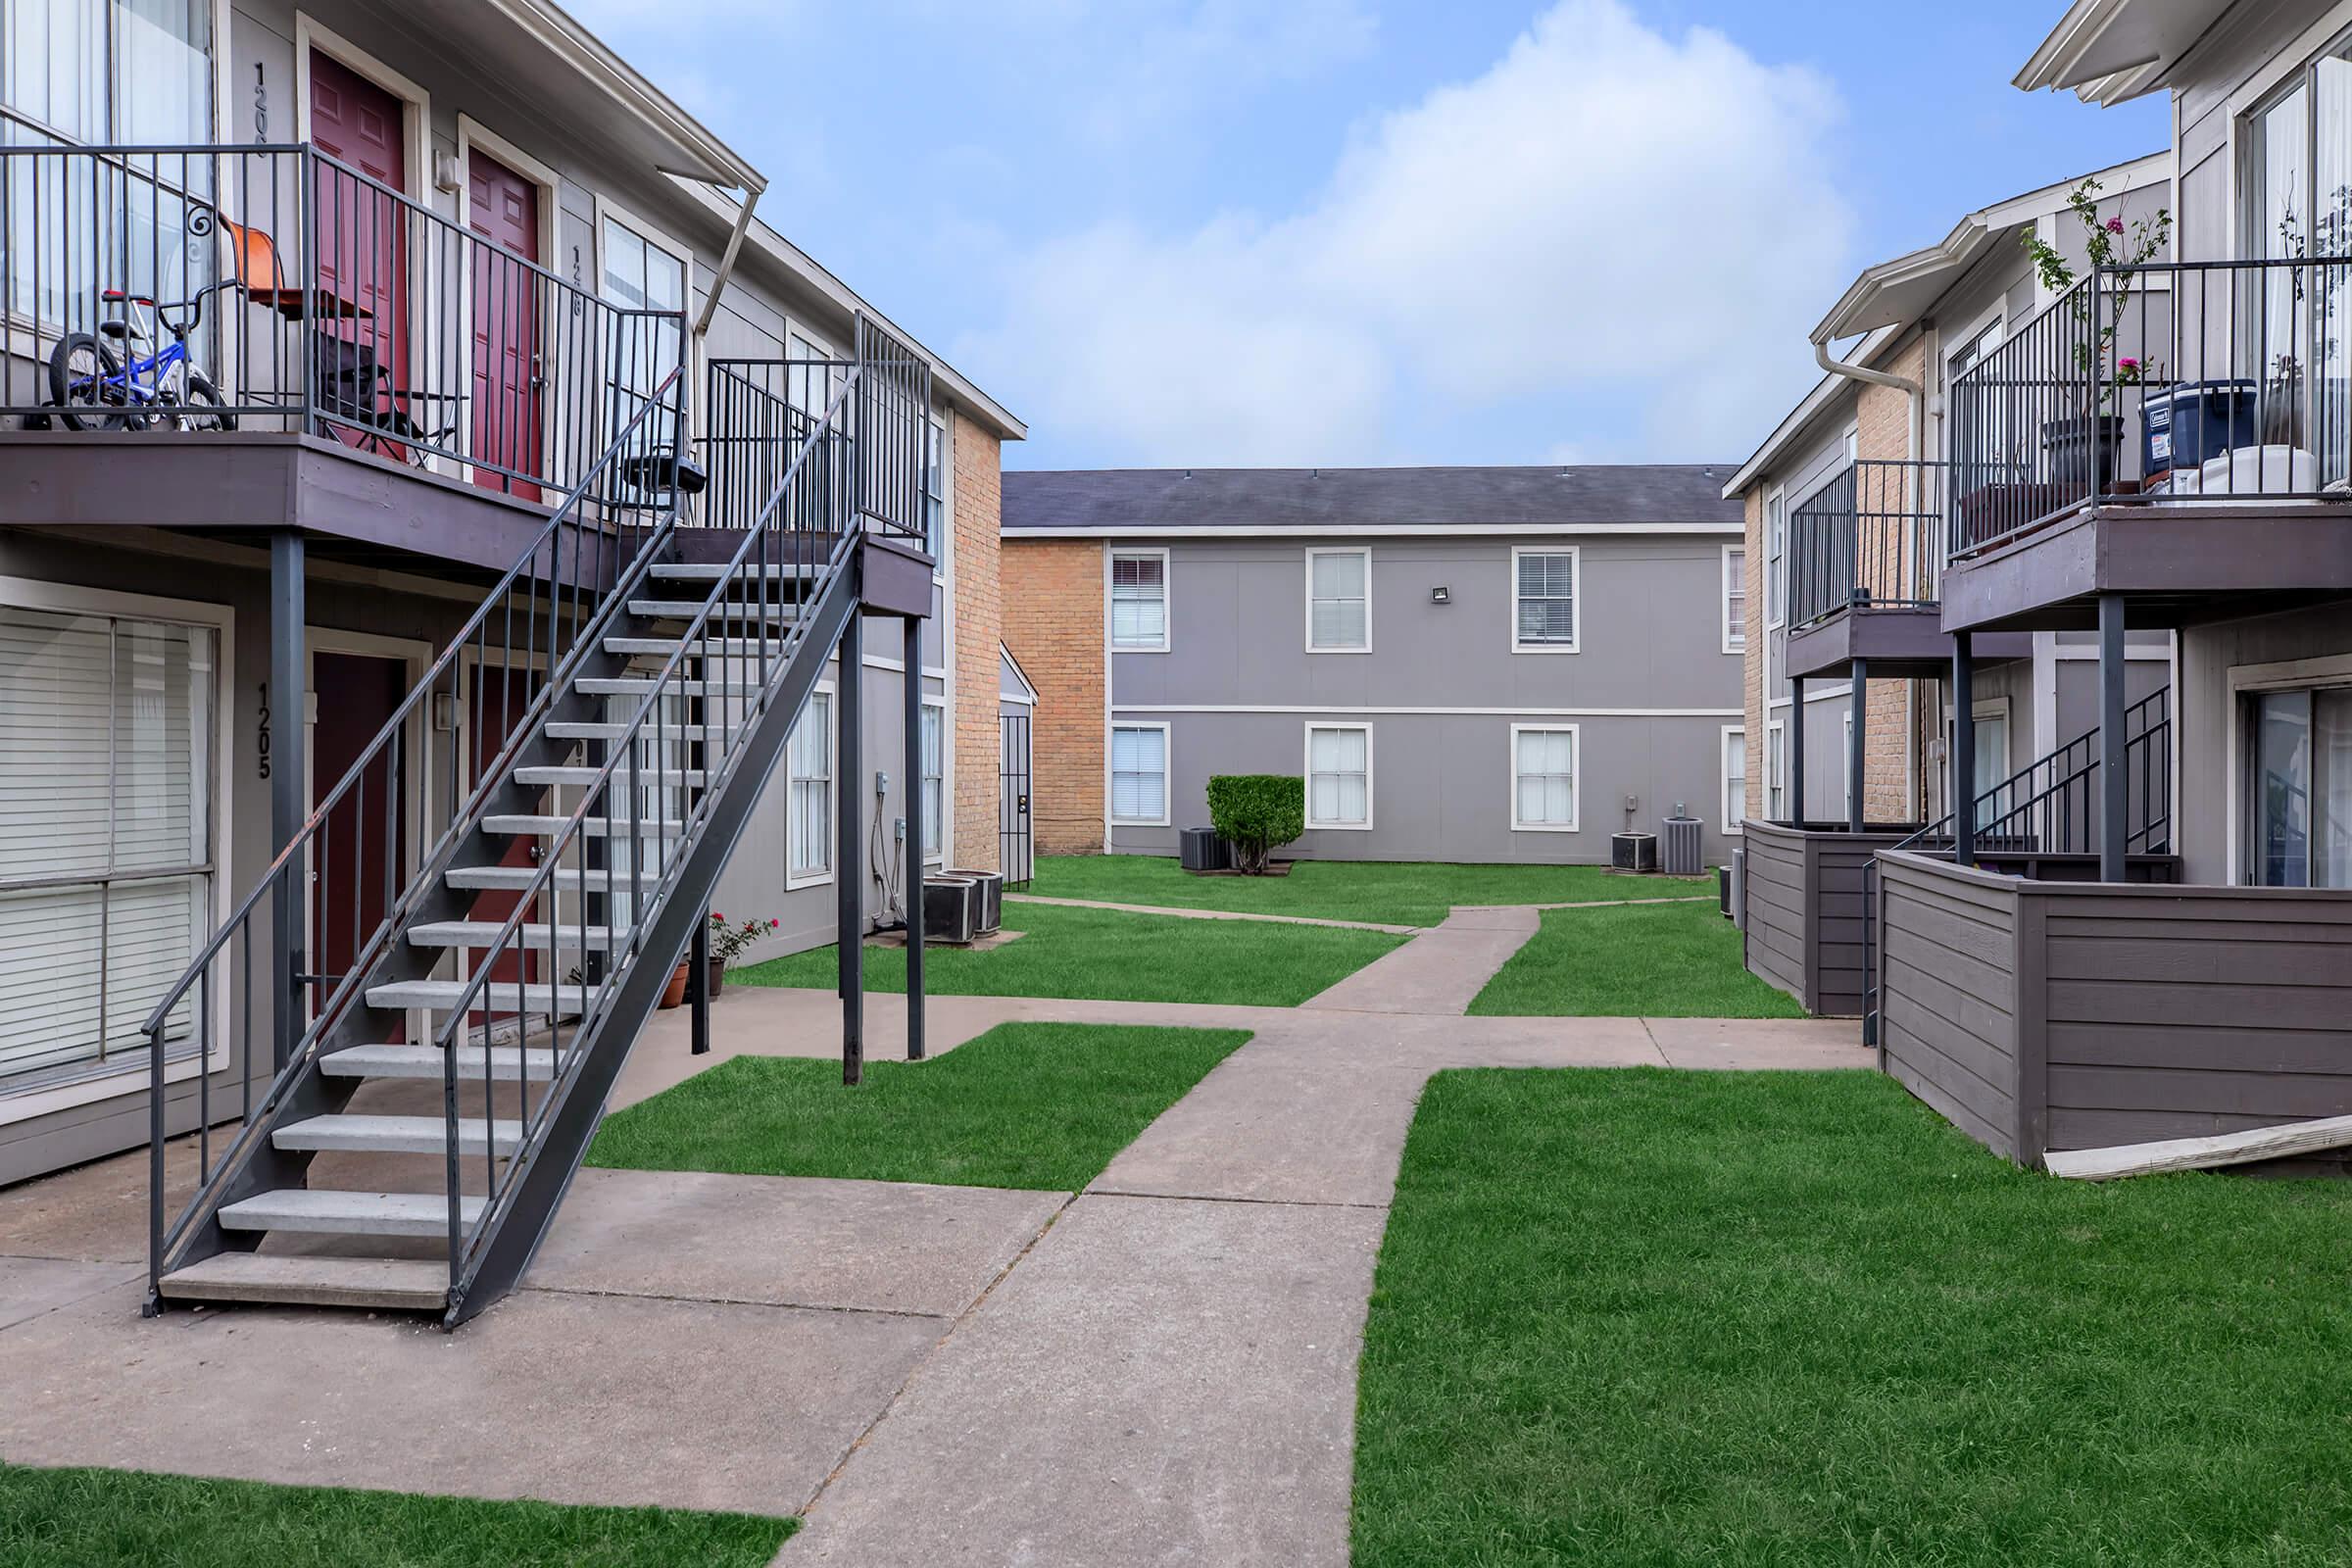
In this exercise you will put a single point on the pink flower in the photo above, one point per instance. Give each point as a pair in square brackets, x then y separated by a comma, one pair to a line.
[2114, 225]
[2126, 365]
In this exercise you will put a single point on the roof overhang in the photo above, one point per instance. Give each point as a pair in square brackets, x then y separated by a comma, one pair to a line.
[513, 40]
[2108, 51]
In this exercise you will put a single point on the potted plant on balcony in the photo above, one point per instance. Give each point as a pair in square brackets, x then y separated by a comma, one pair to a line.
[729, 940]
[2082, 445]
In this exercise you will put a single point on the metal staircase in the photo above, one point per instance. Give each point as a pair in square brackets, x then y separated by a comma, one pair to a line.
[591, 744]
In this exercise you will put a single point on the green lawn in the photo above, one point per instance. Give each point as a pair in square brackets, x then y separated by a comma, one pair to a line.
[1656, 1318]
[1114, 956]
[1038, 1105]
[89, 1518]
[1664, 960]
[1389, 893]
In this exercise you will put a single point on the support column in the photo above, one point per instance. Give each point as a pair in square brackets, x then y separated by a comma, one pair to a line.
[912, 686]
[849, 851]
[1962, 788]
[289, 712]
[2114, 781]
[698, 988]
[1856, 747]
[1797, 751]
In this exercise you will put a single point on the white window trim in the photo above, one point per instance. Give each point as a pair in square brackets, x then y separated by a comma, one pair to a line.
[1747, 599]
[1845, 760]
[1776, 743]
[1308, 600]
[1723, 771]
[2246, 680]
[937, 854]
[1576, 597]
[1168, 770]
[604, 207]
[1776, 596]
[25, 593]
[1308, 773]
[1168, 603]
[1576, 778]
[794, 882]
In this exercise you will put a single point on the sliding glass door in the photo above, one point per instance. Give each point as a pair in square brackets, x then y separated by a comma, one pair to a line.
[2299, 788]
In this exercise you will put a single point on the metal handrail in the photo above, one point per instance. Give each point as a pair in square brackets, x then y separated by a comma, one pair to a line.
[1871, 537]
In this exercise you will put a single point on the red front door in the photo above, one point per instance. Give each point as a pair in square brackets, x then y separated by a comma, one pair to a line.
[360, 858]
[503, 208]
[361, 243]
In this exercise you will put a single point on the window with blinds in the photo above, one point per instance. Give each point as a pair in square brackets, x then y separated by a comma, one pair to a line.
[1138, 600]
[809, 832]
[1338, 601]
[106, 732]
[1547, 601]
[1543, 778]
[1139, 774]
[934, 781]
[1339, 775]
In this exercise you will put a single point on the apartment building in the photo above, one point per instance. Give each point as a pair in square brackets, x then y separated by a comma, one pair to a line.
[415, 451]
[1844, 503]
[1467, 664]
[2163, 448]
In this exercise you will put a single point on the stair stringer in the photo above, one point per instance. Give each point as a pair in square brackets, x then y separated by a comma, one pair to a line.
[543, 1171]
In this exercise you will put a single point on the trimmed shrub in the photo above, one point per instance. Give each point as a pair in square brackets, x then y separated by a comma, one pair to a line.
[1257, 813]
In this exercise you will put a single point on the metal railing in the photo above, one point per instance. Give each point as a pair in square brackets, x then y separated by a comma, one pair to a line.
[155, 288]
[1872, 537]
[2172, 383]
[2050, 806]
[287, 966]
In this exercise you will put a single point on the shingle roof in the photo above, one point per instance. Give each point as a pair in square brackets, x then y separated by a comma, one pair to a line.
[1174, 500]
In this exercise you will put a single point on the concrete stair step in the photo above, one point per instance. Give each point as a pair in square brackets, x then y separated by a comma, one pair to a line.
[724, 609]
[709, 646]
[534, 935]
[547, 827]
[504, 1064]
[348, 1133]
[692, 777]
[440, 996]
[520, 878]
[642, 686]
[388, 1283]
[331, 1211]
[711, 571]
[619, 729]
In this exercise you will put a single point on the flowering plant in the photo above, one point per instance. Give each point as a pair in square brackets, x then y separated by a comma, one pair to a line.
[728, 941]
[2117, 252]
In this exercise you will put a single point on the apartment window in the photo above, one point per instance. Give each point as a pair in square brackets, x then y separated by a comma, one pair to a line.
[809, 831]
[808, 376]
[934, 494]
[1543, 778]
[935, 720]
[1339, 775]
[1776, 772]
[1776, 590]
[1139, 601]
[1139, 774]
[2298, 773]
[1734, 599]
[1338, 601]
[1735, 779]
[107, 739]
[1545, 587]
[644, 273]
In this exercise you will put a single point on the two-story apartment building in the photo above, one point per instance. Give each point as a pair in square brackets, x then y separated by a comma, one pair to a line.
[1468, 665]
[1844, 503]
[2163, 448]
[386, 387]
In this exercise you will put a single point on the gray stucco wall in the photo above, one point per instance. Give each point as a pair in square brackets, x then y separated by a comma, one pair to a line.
[1442, 688]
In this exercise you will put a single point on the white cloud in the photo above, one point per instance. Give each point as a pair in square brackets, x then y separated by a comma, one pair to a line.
[1606, 215]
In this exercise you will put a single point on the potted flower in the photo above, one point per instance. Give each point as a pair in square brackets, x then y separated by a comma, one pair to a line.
[2082, 445]
[728, 941]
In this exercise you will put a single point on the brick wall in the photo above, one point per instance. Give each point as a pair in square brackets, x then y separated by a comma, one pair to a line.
[1053, 625]
[979, 627]
[1882, 431]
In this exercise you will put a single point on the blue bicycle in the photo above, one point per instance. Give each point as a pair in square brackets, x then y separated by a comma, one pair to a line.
[94, 390]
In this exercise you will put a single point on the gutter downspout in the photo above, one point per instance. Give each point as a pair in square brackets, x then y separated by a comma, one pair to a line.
[726, 266]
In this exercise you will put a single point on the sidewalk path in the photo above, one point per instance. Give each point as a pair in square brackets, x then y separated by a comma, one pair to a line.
[1438, 972]
[1210, 914]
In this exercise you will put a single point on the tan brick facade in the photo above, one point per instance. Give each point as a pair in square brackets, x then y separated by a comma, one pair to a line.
[979, 629]
[1053, 625]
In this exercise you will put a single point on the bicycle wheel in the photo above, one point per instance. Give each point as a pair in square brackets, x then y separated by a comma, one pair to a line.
[85, 384]
[204, 407]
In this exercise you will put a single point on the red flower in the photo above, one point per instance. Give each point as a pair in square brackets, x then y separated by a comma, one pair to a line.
[2114, 225]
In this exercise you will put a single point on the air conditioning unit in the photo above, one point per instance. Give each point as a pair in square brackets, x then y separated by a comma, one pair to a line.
[1199, 849]
[1633, 852]
[988, 898]
[1683, 852]
[950, 909]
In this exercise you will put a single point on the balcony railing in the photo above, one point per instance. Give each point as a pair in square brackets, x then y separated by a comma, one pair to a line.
[2174, 384]
[1872, 537]
[196, 288]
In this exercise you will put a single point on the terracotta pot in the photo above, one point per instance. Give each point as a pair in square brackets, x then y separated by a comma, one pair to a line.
[674, 995]
[718, 977]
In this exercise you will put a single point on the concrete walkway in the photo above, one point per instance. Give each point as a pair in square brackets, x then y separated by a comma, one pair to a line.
[1210, 914]
[1158, 1370]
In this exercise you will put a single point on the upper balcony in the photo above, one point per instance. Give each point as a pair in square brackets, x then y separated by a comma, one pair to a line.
[1865, 569]
[241, 337]
[2178, 433]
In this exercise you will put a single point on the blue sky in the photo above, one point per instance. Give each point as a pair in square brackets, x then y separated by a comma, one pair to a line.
[1197, 232]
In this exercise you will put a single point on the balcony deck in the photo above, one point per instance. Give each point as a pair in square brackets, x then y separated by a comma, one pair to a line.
[2179, 563]
[1895, 641]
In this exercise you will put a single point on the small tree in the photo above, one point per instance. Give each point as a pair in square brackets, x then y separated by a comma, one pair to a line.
[1258, 813]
